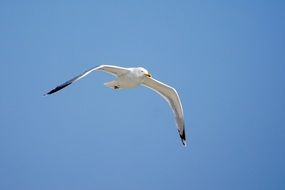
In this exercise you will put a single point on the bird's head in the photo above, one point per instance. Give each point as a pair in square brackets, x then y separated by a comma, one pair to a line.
[142, 71]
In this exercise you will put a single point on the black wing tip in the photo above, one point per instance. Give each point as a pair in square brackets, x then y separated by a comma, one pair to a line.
[72, 80]
[183, 137]
[58, 88]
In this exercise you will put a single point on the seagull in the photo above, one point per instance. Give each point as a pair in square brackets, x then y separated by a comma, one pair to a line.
[133, 77]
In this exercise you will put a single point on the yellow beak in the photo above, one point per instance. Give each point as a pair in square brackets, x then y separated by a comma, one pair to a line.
[147, 75]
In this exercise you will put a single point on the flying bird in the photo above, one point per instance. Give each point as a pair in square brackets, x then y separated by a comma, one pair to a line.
[133, 77]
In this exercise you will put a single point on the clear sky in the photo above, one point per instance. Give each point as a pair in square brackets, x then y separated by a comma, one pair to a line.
[225, 58]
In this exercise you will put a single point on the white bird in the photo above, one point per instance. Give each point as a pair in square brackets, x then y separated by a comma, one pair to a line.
[133, 77]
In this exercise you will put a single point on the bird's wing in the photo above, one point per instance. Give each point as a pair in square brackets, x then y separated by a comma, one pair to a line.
[171, 96]
[111, 69]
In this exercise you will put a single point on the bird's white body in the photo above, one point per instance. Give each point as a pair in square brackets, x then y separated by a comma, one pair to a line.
[133, 77]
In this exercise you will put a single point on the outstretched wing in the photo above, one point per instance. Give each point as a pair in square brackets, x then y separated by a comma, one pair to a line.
[171, 96]
[111, 69]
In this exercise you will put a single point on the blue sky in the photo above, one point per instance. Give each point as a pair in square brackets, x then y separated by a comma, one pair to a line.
[225, 58]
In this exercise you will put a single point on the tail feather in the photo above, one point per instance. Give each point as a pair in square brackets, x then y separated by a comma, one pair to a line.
[112, 84]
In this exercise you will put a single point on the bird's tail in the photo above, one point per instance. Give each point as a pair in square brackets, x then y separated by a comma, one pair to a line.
[112, 84]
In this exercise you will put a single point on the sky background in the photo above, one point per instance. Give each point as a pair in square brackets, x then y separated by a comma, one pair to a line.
[225, 58]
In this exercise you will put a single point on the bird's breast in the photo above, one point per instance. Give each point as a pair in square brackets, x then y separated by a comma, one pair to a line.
[129, 80]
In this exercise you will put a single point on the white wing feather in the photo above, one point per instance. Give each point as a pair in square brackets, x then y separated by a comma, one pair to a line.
[171, 96]
[111, 69]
